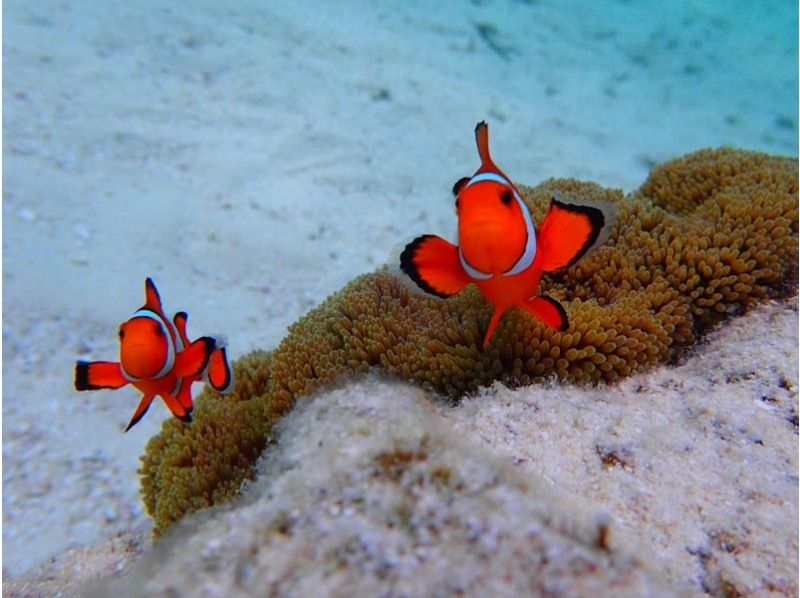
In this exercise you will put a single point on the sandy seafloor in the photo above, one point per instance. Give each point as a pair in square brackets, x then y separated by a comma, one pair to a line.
[253, 158]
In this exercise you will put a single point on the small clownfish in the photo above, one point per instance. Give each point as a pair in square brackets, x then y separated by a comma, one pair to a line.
[499, 250]
[156, 356]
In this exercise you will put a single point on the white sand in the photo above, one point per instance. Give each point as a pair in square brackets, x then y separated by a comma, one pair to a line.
[253, 160]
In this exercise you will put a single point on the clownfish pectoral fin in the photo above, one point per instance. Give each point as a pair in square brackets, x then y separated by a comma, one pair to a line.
[569, 230]
[177, 408]
[94, 375]
[434, 265]
[219, 373]
[493, 322]
[144, 405]
[179, 319]
[548, 310]
[190, 362]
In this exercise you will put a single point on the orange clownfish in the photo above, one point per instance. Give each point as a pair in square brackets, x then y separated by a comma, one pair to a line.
[156, 356]
[499, 250]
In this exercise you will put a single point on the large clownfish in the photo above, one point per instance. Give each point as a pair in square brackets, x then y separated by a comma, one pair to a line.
[156, 357]
[499, 250]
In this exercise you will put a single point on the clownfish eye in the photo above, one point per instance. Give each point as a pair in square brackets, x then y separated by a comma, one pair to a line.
[506, 197]
[121, 333]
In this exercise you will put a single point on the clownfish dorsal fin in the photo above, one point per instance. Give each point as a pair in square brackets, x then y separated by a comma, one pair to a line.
[179, 320]
[152, 300]
[482, 140]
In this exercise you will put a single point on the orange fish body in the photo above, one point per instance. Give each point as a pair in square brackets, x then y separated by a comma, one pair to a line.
[157, 358]
[499, 250]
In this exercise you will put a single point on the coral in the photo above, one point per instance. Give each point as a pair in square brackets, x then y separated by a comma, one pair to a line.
[706, 237]
[187, 468]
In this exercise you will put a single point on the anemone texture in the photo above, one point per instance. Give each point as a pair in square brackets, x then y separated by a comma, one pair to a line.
[706, 237]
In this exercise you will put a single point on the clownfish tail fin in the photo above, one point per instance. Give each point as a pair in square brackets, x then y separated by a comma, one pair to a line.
[219, 373]
[549, 311]
[433, 264]
[95, 375]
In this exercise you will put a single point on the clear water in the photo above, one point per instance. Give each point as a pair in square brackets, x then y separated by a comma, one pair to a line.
[254, 156]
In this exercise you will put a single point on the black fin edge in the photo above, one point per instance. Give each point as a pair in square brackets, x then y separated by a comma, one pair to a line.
[210, 344]
[459, 184]
[82, 377]
[557, 304]
[596, 217]
[226, 387]
[407, 266]
[136, 419]
[148, 283]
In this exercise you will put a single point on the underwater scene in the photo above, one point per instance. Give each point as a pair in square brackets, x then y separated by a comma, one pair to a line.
[482, 297]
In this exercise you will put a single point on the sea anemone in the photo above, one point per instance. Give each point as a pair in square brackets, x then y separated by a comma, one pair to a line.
[706, 237]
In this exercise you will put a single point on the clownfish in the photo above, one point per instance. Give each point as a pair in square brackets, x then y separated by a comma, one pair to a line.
[156, 357]
[499, 250]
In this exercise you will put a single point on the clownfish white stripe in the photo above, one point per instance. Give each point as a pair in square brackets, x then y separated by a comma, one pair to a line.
[169, 362]
[524, 262]
[527, 257]
[489, 176]
[473, 272]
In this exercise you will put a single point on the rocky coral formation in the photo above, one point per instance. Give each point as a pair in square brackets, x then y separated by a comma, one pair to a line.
[697, 463]
[186, 468]
[367, 492]
[706, 237]
[374, 487]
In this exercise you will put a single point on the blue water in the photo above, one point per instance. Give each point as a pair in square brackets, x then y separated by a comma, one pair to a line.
[253, 157]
